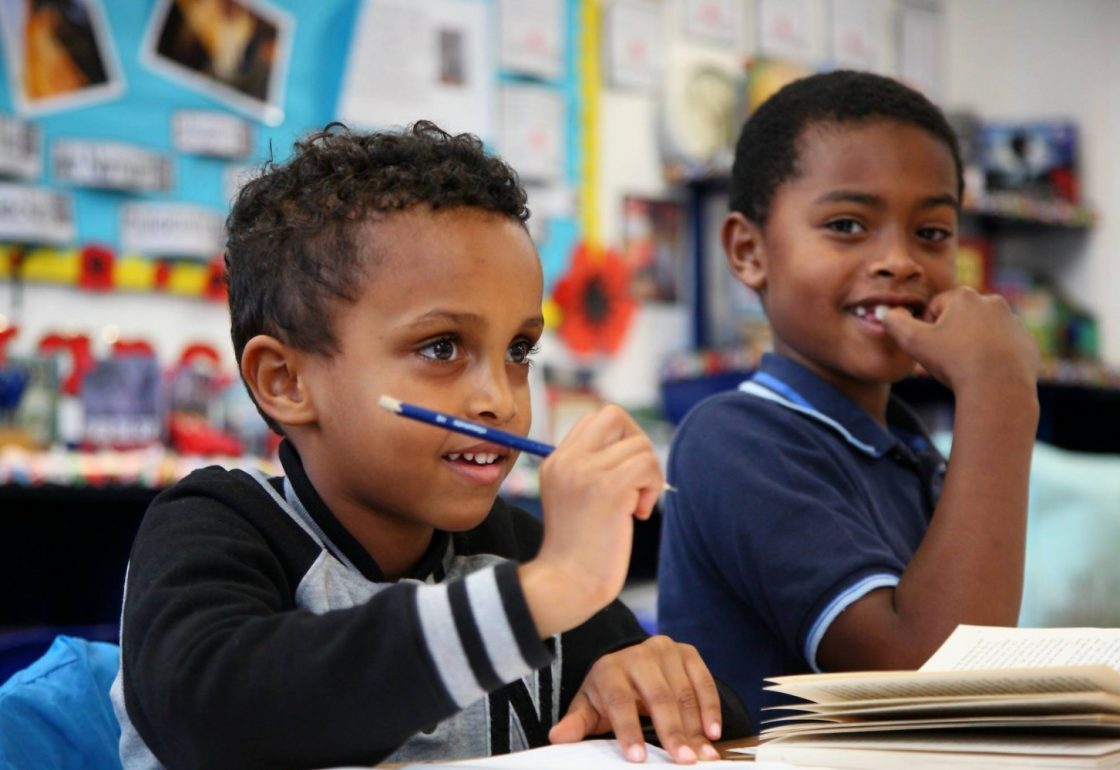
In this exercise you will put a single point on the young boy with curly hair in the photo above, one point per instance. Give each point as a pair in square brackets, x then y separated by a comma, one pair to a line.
[815, 527]
[379, 601]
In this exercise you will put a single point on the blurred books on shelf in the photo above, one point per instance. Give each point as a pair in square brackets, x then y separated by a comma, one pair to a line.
[151, 467]
[1017, 206]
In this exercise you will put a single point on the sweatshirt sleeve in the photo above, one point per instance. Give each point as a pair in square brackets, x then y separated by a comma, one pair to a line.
[221, 669]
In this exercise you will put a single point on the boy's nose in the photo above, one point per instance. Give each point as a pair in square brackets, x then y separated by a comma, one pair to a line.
[896, 260]
[493, 397]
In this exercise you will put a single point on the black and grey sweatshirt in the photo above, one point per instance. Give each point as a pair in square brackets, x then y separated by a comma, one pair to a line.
[257, 632]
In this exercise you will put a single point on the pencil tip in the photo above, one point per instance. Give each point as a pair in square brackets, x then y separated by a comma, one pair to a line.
[389, 403]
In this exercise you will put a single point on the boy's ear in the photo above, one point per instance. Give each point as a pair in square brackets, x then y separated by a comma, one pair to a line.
[744, 246]
[271, 369]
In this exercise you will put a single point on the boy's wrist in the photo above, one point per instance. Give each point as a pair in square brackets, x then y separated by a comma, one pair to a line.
[556, 601]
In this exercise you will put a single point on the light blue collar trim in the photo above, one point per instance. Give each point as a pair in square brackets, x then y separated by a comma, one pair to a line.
[804, 407]
[850, 596]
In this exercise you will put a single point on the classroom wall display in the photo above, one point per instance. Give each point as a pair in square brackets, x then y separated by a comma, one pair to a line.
[714, 21]
[783, 30]
[237, 51]
[180, 120]
[412, 59]
[533, 38]
[634, 44]
[531, 136]
[35, 215]
[21, 148]
[854, 42]
[59, 55]
[655, 243]
[195, 121]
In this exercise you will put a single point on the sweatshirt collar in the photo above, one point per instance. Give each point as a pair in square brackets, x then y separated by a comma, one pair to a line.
[432, 565]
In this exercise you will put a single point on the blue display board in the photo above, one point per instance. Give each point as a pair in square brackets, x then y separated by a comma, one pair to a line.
[139, 110]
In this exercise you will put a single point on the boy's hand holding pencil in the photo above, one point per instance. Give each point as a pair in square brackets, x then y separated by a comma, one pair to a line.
[601, 476]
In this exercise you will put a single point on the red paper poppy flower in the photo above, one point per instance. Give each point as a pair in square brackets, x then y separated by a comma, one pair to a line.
[96, 268]
[595, 299]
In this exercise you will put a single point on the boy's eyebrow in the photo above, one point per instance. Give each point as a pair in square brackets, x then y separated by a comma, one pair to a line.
[448, 316]
[867, 199]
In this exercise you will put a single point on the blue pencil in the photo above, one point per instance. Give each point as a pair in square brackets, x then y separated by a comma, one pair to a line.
[441, 420]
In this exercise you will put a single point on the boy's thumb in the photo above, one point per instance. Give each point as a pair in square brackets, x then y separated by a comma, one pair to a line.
[902, 327]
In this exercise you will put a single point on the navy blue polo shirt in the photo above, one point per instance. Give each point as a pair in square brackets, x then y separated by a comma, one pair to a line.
[791, 503]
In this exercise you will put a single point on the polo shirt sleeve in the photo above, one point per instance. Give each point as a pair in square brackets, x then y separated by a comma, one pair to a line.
[772, 500]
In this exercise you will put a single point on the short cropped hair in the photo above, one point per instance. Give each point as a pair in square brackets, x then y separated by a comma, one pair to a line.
[291, 253]
[767, 152]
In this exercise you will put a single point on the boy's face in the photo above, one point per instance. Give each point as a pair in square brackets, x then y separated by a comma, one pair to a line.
[870, 220]
[449, 313]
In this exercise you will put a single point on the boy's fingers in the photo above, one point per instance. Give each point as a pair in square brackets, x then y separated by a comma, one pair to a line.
[707, 694]
[614, 699]
[669, 707]
[902, 327]
[580, 721]
[691, 703]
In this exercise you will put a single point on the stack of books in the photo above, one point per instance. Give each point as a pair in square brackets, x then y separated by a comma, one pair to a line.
[989, 697]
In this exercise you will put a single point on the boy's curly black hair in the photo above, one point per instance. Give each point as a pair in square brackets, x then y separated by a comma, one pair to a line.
[291, 253]
[767, 151]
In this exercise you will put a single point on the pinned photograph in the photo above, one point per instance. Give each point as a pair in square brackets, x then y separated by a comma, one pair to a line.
[234, 50]
[59, 54]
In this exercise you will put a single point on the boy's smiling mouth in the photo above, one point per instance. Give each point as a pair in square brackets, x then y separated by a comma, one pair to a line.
[480, 463]
[872, 310]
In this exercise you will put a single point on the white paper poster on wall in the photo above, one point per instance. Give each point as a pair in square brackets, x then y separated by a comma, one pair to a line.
[421, 59]
[635, 44]
[920, 46]
[853, 32]
[532, 37]
[35, 215]
[783, 29]
[211, 133]
[715, 21]
[172, 230]
[110, 166]
[531, 137]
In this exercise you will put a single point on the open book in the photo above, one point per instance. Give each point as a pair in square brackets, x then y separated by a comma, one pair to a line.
[993, 697]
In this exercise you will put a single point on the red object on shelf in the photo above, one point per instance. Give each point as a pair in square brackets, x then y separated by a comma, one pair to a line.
[191, 434]
[137, 347]
[6, 335]
[81, 357]
[199, 351]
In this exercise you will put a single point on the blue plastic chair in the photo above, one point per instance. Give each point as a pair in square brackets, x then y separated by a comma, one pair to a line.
[56, 713]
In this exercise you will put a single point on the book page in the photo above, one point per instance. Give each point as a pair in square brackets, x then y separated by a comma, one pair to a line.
[1098, 724]
[981, 705]
[868, 685]
[976, 647]
[583, 755]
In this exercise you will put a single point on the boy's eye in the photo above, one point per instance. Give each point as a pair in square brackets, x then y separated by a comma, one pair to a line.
[935, 234]
[520, 352]
[443, 349]
[846, 226]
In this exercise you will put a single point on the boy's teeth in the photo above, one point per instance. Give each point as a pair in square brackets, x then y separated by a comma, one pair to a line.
[881, 311]
[481, 458]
